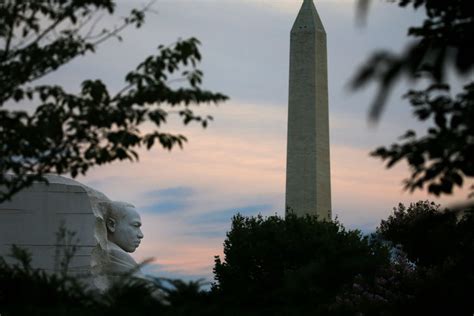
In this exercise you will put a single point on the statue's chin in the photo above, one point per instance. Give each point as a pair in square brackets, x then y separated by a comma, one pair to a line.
[130, 249]
[126, 248]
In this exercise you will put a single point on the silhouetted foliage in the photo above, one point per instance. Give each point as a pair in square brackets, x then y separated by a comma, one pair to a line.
[71, 132]
[291, 266]
[444, 157]
[28, 291]
[188, 298]
[429, 235]
[389, 293]
[433, 268]
[297, 266]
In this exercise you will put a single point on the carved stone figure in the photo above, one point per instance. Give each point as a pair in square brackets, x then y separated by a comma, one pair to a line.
[114, 262]
[106, 232]
[113, 259]
[123, 234]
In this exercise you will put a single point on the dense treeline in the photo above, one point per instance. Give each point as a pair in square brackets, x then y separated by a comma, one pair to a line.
[419, 261]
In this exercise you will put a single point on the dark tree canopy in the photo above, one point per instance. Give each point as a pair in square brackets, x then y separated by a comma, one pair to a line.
[432, 270]
[444, 157]
[71, 132]
[429, 235]
[291, 266]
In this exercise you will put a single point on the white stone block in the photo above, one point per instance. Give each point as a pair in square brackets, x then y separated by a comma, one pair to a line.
[32, 219]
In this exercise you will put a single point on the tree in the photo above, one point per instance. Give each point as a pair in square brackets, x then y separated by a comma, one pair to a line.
[70, 133]
[444, 157]
[429, 235]
[291, 266]
[432, 271]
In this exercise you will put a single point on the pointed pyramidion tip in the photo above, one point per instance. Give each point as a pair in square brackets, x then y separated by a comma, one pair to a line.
[308, 20]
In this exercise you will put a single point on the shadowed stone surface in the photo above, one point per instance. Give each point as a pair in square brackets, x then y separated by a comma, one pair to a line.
[34, 216]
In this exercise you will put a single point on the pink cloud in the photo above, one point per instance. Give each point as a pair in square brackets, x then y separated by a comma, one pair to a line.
[235, 163]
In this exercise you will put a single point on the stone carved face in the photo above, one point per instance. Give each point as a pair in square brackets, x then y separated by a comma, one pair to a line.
[123, 226]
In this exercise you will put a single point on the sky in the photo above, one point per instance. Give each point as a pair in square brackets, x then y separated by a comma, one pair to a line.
[187, 197]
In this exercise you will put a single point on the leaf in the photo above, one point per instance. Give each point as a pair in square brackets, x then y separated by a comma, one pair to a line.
[457, 179]
[408, 134]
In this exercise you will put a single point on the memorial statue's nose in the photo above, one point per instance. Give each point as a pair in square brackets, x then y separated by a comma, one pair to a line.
[140, 234]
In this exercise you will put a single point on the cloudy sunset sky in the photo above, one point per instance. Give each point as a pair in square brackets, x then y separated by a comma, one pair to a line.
[187, 197]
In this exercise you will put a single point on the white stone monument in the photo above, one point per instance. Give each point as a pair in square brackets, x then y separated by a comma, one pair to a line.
[308, 182]
[105, 231]
[112, 261]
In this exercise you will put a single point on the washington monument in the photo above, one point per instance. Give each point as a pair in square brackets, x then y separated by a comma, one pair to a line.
[308, 180]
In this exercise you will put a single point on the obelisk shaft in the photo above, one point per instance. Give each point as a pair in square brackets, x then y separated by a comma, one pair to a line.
[308, 182]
